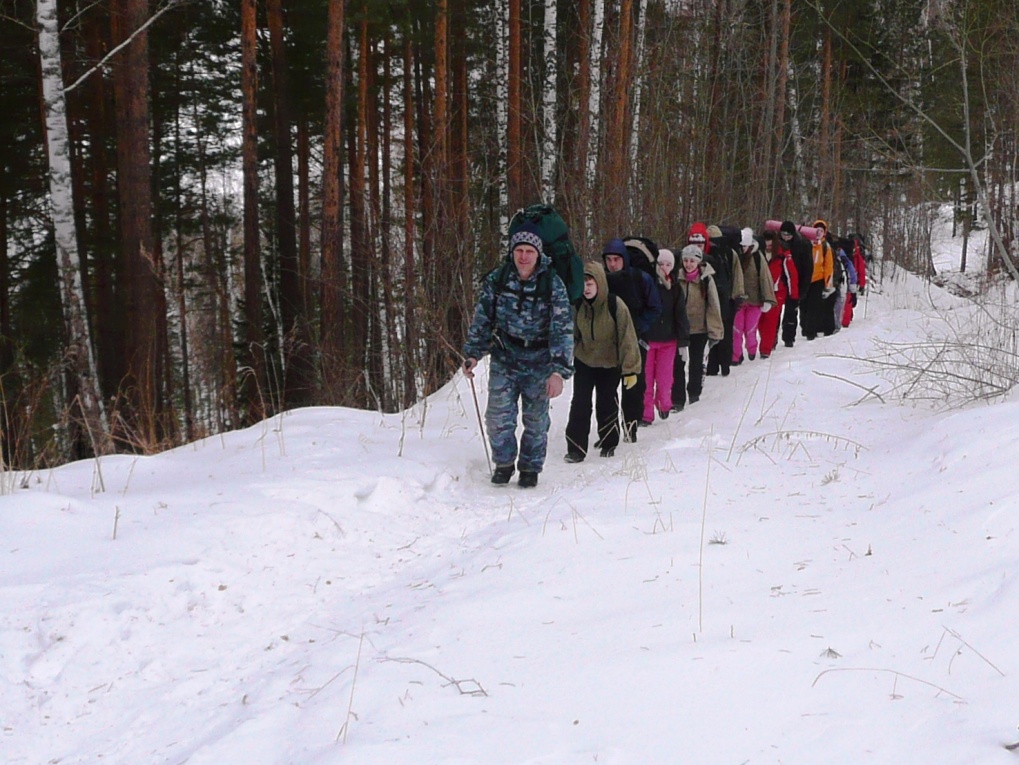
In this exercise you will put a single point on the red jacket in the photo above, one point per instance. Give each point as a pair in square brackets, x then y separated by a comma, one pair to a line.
[860, 264]
[785, 277]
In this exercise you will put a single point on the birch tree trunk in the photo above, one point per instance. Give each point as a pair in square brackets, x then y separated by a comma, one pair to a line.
[514, 150]
[72, 295]
[593, 107]
[799, 168]
[501, 16]
[549, 98]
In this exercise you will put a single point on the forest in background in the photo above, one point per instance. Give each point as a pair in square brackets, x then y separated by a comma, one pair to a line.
[213, 212]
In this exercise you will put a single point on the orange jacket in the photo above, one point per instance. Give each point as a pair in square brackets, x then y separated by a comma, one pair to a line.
[824, 264]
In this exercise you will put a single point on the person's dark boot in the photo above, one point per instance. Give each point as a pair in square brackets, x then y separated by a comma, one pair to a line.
[573, 457]
[608, 451]
[528, 479]
[502, 474]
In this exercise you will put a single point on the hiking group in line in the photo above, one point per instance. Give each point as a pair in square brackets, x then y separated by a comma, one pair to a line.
[644, 317]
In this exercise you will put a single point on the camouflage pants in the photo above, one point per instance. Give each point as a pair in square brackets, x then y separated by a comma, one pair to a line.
[522, 378]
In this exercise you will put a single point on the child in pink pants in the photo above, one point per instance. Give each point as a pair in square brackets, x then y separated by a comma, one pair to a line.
[670, 331]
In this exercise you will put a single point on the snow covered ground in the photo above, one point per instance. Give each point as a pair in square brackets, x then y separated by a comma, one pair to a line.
[792, 571]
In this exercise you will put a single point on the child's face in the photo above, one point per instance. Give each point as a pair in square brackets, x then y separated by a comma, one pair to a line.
[690, 264]
[590, 288]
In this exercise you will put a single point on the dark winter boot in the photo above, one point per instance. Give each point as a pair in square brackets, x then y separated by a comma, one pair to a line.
[571, 457]
[528, 479]
[608, 451]
[502, 474]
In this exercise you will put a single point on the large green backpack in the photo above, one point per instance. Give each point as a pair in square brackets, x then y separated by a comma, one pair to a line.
[555, 239]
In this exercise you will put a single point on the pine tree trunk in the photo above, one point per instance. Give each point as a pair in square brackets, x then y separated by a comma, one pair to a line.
[297, 350]
[764, 172]
[461, 283]
[360, 236]
[140, 273]
[109, 331]
[13, 448]
[781, 94]
[825, 154]
[410, 280]
[79, 340]
[252, 360]
[618, 139]
[634, 196]
[378, 259]
[427, 298]
[304, 214]
[334, 279]
[181, 283]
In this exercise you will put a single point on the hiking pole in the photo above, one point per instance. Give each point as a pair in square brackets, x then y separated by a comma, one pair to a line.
[481, 424]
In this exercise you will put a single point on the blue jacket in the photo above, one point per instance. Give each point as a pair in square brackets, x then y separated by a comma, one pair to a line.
[638, 290]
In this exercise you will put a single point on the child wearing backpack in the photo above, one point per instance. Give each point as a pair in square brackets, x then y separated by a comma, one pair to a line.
[760, 297]
[605, 349]
[704, 312]
[785, 282]
[670, 331]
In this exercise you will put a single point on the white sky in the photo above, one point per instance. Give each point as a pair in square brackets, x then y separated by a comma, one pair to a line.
[789, 572]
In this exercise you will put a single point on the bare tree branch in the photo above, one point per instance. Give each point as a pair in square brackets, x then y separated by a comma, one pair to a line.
[102, 62]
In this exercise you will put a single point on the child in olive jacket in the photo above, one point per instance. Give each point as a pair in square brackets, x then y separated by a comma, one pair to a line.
[605, 349]
[704, 312]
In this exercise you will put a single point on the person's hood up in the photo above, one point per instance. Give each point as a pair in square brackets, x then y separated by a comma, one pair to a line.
[596, 270]
[616, 247]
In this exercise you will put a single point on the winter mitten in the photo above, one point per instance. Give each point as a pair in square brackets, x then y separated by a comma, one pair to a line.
[766, 307]
[629, 381]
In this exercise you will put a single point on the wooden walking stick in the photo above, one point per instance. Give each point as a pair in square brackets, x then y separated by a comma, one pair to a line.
[481, 425]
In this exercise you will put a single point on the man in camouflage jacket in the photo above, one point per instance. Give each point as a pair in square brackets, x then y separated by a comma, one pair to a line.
[523, 319]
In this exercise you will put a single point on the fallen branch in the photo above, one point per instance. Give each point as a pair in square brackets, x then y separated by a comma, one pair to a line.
[460, 685]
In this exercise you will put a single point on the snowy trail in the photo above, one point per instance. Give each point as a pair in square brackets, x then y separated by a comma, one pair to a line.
[789, 571]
